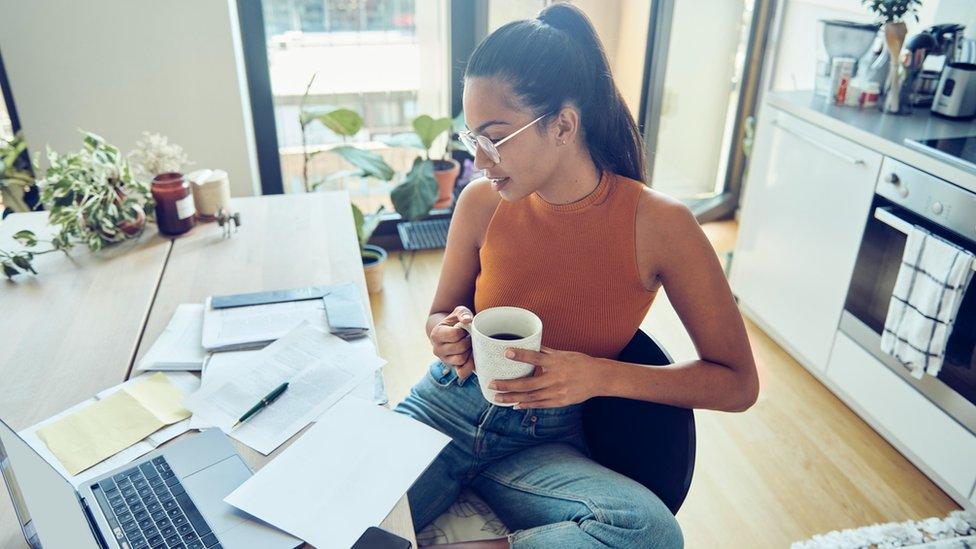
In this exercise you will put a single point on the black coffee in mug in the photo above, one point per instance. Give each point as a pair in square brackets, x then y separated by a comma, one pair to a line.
[505, 336]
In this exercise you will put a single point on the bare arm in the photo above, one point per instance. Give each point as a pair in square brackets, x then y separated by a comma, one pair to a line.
[724, 377]
[454, 299]
[681, 258]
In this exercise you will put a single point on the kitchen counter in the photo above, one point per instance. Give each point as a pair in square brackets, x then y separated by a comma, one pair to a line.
[884, 133]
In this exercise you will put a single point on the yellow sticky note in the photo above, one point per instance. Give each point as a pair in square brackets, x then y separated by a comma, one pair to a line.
[160, 397]
[99, 431]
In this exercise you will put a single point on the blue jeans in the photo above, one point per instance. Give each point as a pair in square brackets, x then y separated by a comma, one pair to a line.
[532, 468]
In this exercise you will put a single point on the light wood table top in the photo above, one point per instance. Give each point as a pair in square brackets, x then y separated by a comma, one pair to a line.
[102, 312]
[285, 241]
[71, 331]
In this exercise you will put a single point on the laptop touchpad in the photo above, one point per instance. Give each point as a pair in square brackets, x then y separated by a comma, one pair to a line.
[210, 486]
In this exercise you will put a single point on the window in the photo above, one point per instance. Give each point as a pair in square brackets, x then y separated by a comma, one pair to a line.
[385, 59]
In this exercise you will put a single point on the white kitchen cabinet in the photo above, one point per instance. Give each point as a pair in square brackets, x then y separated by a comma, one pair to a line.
[919, 429]
[805, 205]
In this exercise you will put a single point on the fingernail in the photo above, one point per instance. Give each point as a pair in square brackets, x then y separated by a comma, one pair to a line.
[510, 353]
[493, 386]
[465, 317]
[517, 407]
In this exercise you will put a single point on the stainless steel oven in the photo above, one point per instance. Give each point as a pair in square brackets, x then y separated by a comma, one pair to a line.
[905, 197]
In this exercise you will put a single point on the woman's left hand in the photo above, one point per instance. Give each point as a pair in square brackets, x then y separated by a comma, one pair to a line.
[561, 378]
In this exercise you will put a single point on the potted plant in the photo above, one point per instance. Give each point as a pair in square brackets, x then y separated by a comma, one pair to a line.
[346, 123]
[92, 197]
[892, 14]
[16, 178]
[374, 257]
[444, 170]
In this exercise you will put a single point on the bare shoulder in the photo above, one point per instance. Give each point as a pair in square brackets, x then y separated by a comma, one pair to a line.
[665, 228]
[474, 209]
[661, 216]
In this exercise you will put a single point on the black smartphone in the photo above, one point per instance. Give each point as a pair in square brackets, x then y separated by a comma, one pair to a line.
[375, 538]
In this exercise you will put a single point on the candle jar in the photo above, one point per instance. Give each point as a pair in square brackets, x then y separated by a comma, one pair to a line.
[174, 203]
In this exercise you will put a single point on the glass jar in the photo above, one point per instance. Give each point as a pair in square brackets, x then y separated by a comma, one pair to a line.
[174, 203]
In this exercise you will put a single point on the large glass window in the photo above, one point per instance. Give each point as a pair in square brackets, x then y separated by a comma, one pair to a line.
[384, 59]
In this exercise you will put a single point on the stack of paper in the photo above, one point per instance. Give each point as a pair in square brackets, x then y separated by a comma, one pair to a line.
[180, 346]
[343, 475]
[219, 368]
[253, 327]
[344, 310]
[109, 430]
[319, 367]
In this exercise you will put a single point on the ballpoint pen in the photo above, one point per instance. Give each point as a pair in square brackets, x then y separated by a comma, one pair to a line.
[262, 404]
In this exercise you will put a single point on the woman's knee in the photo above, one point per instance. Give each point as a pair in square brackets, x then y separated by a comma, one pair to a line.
[638, 519]
[653, 523]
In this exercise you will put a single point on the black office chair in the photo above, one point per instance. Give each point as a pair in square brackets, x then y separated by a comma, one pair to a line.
[651, 443]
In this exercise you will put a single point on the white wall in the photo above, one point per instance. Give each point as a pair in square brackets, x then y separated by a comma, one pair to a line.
[957, 11]
[118, 67]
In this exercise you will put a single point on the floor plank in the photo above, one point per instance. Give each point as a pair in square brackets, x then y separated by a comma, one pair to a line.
[796, 464]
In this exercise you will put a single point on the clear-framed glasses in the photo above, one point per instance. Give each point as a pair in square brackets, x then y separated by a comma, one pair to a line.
[473, 141]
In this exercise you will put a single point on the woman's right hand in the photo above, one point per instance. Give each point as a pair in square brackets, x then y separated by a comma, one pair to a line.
[452, 344]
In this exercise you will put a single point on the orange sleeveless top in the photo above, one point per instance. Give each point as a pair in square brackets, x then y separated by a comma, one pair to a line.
[574, 265]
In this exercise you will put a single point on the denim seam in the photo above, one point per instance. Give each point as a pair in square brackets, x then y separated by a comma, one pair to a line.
[440, 500]
[595, 509]
[478, 439]
[529, 533]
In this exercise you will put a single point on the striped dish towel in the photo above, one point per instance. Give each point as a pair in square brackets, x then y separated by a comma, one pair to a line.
[933, 277]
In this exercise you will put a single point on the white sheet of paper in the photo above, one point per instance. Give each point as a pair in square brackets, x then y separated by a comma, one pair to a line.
[320, 369]
[180, 345]
[218, 369]
[250, 327]
[343, 475]
[186, 382]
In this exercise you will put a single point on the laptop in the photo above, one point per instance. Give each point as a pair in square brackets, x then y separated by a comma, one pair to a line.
[170, 498]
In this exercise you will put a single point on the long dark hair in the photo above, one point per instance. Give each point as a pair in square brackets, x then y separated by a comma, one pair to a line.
[558, 58]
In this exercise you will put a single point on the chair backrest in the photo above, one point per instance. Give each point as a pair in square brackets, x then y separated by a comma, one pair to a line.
[651, 443]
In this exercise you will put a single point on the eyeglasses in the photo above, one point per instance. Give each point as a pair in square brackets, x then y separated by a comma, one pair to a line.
[473, 141]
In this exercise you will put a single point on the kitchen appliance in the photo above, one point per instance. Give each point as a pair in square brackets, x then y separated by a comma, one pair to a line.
[956, 95]
[906, 196]
[960, 151]
[927, 54]
[840, 39]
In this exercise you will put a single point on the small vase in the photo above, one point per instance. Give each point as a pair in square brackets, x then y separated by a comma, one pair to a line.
[895, 32]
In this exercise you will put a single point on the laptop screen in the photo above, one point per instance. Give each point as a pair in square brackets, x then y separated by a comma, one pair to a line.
[47, 505]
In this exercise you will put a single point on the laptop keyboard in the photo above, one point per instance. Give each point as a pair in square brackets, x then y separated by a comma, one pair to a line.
[147, 508]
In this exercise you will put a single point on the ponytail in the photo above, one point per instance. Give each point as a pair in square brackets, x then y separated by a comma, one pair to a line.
[557, 58]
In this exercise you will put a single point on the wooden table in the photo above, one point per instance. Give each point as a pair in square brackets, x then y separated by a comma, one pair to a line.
[285, 241]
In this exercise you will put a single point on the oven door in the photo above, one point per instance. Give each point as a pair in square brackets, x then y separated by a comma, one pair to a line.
[863, 319]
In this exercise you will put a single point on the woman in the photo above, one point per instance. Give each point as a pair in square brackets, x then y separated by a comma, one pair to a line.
[563, 226]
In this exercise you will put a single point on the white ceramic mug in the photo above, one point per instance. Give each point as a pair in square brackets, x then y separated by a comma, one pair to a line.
[489, 352]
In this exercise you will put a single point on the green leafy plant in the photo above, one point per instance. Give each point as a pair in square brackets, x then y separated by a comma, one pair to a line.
[15, 181]
[347, 123]
[416, 194]
[92, 197]
[366, 224]
[893, 10]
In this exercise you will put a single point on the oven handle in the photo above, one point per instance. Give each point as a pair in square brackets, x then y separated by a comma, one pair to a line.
[885, 216]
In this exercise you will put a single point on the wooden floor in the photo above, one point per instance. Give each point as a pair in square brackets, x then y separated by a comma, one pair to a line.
[796, 464]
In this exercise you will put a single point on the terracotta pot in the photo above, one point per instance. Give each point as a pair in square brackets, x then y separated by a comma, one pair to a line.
[374, 262]
[446, 173]
[894, 38]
